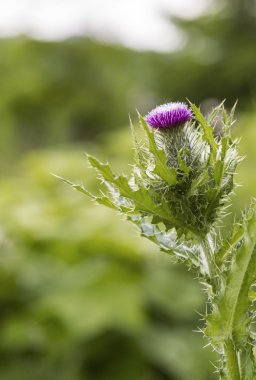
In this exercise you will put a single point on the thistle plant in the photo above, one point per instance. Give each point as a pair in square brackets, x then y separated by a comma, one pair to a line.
[177, 195]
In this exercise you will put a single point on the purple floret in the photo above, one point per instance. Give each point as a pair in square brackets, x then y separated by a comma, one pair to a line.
[169, 115]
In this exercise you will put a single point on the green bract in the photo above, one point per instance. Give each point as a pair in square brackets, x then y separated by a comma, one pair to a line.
[178, 191]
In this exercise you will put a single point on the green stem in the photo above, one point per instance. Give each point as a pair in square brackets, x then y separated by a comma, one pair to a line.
[232, 365]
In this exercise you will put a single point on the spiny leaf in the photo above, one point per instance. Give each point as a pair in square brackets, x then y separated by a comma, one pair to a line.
[197, 182]
[218, 172]
[161, 168]
[75, 186]
[103, 169]
[168, 241]
[104, 200]
[138, 157]
[182, 164]
[231, 115]
[231, 318]
[224, 116]
[215, 112]
[226, 248]
[220, 163]
[247, 362]
[141, 198]
[207, 130]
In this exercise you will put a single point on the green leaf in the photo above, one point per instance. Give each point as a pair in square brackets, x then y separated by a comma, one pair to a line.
[215, 112]
[207, 131]
[232, 113]
[75, 186]
[141, 197]
[182, 164]
[226, 248]
[230, 318]
[107, 175]
[220, 164]
[224, 116]
[218, 172]
[168, 241]
[161, 168]
[103, 169]
[104, 200]
[197, 182]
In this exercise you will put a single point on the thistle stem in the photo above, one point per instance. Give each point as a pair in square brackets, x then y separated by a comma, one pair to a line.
[232, 365]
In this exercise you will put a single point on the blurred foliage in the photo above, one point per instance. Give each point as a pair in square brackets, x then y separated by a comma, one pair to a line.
[59, 92]
[82, 296]
[219, 58]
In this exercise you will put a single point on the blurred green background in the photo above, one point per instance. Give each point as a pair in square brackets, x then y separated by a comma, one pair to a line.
[82, 296]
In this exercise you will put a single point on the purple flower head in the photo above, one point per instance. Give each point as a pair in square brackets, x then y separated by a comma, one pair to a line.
[169, 115]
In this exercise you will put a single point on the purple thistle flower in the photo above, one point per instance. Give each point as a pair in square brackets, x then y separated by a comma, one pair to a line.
[169, 115]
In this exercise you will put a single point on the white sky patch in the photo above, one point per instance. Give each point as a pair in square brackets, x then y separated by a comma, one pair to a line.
[139, 24]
